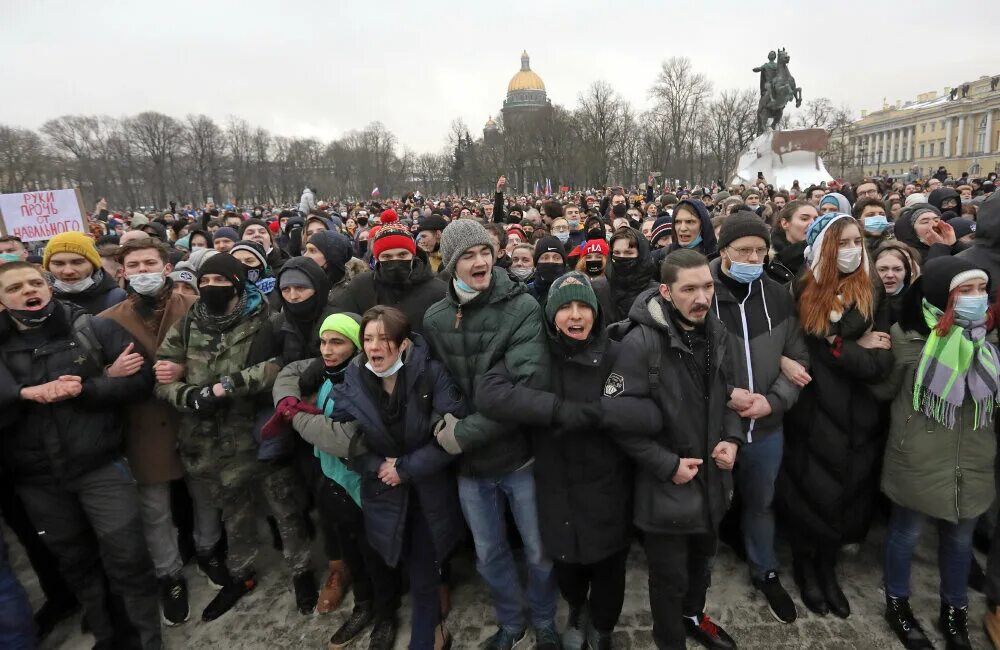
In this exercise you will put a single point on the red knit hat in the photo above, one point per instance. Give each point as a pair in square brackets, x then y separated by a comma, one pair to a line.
[392, 236]
[595, 246]
[274, 226]
[388, 216]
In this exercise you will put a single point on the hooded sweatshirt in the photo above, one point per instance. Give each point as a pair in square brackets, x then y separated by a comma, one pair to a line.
[297, 324]
[708, 246]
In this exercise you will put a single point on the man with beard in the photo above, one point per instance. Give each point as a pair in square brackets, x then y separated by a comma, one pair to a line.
[402, 278]
[63, 377]
[75, 265]
[676, 352]
[550, 263]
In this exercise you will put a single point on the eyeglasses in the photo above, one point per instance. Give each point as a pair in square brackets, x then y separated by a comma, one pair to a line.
[747, 252]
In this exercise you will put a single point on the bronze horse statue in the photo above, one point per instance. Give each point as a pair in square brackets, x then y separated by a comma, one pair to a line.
[777, 88]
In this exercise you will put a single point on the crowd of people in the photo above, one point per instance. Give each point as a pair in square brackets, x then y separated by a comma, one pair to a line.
[670, 366]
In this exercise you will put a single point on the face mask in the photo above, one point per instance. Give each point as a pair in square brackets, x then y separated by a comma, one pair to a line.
[10, 257]
[971, 308]
[966, 201]
[625, 265]
[596, 233]
[216, 299]
[547, 272]
[362, 221]
[573, 223]
[302, 309]
[394, 271]
[74, 287]
[393, 369]
[146, 284]
[563, 237]
[522, 274]
[849, 259]
[33, 318]
[198, 248]
[876, 225]
[745, 273]
[694, 242]
[593, 267]
[254, 273]
[619, 210]
[461, 286]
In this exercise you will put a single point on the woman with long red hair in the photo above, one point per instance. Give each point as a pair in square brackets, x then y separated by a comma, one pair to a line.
[940, 455]
[828, 482]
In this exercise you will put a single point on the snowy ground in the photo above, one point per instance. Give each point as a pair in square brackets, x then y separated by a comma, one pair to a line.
[267, 617]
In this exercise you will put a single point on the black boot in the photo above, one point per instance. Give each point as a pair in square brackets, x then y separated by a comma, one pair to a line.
[826, 571]
[304, 586]
[228, 596]
[954, 624]
[905, 625]
[804, 572]
[55, 611]
[383, 636]
[356, 623]
[213, 567]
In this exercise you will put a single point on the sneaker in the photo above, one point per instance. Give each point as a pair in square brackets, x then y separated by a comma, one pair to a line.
[954, 624]
[361, 617]
[573, 635]
[304, 586]
[54, 612]
[335, 587]
[228, 596]
[778, 601]
[383, 635]
[174, 600]
[504, 640]
[707, 633]
[213, 567]
[907, 628]
[546, 638]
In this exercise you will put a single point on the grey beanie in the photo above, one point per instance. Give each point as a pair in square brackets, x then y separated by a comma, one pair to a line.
[460, 236]
[185, 276]
[295, 278]
[743, 224]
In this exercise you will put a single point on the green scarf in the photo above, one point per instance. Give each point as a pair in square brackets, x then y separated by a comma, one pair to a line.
[949, 364]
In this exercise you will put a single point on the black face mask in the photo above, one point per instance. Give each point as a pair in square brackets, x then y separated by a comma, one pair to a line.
[394, 272]
[625, 265]
[547, 272]
[216, 299]
[593, 267]
[362, 221]
[34, 318]
[362, 247]
[619, 210]
[595, 233]
[254, 274]
[302, 309]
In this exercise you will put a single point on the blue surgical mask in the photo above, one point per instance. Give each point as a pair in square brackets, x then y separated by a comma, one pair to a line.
[573, 223]
[461, 286]
[10, 257]
[562, 236]
[694, 243]
[971, 308]
[876, 225]
[745, 273]
[393, 369]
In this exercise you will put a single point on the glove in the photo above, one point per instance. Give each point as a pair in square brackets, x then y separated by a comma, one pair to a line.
[202, 401]
[573, 416]
[275, 426]
[444, 432]
[286, 407]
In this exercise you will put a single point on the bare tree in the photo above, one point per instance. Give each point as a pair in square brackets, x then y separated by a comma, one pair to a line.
[816, 114]
[157, 137]
[679, 94]
[599, 124]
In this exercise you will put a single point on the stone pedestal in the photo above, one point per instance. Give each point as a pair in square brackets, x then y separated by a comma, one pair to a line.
[784, 157]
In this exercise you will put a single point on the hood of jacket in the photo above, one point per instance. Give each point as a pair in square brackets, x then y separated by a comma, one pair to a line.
[649, 309]
[988, 222]
[709, 244]
[941, 194]
[321, 283]
[903, 227]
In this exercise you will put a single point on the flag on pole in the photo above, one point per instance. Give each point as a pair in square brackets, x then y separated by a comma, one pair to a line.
[548, 186]
[538, 188]
[375, 192]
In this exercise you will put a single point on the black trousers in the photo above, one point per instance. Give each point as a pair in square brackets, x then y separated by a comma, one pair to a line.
[601, 584]
[680, 572]
[374, 580]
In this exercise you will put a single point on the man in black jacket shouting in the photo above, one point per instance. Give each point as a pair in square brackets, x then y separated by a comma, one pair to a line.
[64, 376]
[677, 354]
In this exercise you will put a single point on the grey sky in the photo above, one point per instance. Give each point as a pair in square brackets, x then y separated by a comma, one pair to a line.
[321, 68]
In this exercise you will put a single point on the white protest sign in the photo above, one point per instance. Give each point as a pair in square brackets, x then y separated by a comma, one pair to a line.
[39, 216]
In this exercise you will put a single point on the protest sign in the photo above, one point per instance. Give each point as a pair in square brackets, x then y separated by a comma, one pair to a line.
[41, 215]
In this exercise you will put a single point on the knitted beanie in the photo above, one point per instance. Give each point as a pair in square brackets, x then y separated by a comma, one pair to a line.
[460, 236]
[72, 242]
[295, 278]
[252, 247]
[227, 266]
[226, 233]
[433, 222]
[941, 275]
[253, 222]
[567, 288]
[594, 246]
[743, 224]
[185, 276]
[549, 245]
[344, 323]
[393, 235]
[388, 216]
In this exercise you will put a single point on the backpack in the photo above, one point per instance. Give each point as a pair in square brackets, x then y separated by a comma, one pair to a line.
[617, 332]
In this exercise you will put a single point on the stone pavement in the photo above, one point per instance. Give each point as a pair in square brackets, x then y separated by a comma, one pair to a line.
[266, 619]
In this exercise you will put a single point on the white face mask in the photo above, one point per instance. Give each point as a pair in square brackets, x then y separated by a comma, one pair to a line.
[74, 287]
[849, 259]
[147, 284]
[393, 369]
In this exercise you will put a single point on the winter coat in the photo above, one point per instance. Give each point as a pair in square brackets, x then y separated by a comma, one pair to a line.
[790, 256]
[247, 354]
[307, 202]
[616, 293]
[413, 298]
[944, 473]
[709, 244]
[298, 338]
[834, 436]
[103, 294]
[503, 323]
[583, 478]
[421, 463]
[688, 431]
[335, 438]
[767, 317]
[151, 424]
[64, 440]
[985, 251]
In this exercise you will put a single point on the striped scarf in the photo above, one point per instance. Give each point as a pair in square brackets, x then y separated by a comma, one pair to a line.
[949, 364]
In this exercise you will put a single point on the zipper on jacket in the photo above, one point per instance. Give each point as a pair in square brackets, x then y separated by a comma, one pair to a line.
[902, 441]
[958, 467]
[458, 317]
[746, 351]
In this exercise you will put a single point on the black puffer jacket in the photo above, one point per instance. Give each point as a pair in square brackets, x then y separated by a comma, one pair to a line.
[695, 418]
[985, 250]
[617, 291]
[67, 439]
[103, 294]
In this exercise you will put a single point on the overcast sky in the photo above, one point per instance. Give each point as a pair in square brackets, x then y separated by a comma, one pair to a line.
[323, 67]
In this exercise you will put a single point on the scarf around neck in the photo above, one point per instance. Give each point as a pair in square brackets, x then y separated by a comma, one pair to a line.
[961, 359]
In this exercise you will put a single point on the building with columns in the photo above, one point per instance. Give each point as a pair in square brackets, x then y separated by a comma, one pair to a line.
[958, 130]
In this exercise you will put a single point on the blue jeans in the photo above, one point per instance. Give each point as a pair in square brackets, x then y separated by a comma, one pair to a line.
[757, 466]
[17, 627]
[954, 554]
[484, 504]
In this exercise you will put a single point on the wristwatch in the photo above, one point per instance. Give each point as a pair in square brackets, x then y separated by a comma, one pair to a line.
[227, 384]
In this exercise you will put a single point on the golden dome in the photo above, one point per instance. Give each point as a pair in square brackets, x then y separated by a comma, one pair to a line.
[525, 79]
[490, 123]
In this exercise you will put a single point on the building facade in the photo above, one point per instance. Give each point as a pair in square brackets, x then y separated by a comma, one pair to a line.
[958, 130]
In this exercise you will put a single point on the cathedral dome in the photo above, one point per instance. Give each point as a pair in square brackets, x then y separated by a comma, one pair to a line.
[525, 79]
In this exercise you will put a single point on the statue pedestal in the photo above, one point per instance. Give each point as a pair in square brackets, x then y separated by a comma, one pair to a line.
[784, 157]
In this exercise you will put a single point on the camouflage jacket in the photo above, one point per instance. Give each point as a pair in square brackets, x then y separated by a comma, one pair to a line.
[247, 354]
